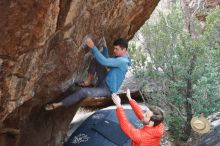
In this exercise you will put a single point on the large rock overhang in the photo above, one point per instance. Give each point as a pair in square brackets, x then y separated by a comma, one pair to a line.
[40, 57]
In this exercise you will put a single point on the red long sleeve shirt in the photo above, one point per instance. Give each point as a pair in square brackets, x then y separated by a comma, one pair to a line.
[146, 136]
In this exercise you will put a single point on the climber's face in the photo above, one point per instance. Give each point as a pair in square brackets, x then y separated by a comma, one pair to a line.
[119, 51]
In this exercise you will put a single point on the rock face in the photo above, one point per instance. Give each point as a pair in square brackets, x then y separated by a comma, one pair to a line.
[40, 57]
[212, 3]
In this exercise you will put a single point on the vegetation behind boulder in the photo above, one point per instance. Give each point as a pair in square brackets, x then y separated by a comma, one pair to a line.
[178, 69]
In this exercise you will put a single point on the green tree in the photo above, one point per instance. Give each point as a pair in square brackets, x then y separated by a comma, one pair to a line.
[185, 70]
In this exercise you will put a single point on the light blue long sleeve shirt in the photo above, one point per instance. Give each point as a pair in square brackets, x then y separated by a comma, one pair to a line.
[118, 67]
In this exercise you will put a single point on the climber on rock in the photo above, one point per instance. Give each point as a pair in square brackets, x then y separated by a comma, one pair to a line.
[110, 72]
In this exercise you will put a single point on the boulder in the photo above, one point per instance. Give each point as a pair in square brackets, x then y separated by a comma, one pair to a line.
[41, 57]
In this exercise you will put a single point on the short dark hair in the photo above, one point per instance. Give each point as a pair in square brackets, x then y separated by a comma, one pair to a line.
[157, 117]
[121, 42]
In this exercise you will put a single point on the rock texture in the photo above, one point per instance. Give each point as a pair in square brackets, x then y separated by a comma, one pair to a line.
[212, 3]
[40, 57]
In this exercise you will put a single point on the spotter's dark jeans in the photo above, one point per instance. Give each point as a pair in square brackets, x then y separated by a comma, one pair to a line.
[101, 90]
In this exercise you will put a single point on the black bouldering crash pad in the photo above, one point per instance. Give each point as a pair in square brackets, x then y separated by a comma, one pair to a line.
[102, 129]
